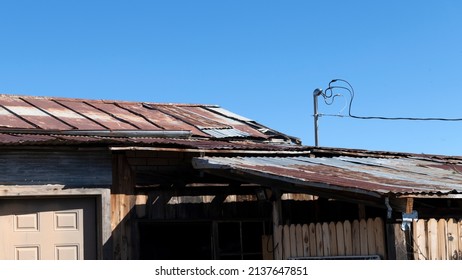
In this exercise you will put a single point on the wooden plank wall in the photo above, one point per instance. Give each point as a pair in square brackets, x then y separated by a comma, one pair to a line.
[123, 201]
[357, 238]
[437, 239]
[80, 168]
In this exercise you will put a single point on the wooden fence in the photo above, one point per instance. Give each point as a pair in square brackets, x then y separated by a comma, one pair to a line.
[357, 238]
[437, 239]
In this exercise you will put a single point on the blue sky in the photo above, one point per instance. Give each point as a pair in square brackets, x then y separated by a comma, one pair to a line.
[260, 59]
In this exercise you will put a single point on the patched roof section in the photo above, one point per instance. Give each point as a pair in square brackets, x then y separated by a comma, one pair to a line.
[40, 115]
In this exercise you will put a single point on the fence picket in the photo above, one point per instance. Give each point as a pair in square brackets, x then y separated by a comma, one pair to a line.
[319, 241]
[432, 239]
[286, 242]
[293, 241]
[420, 240]
[453, 240]
[340, 239]
[379, 238]
[298, 241]
[356, 238]
[278, 243]
[326, 239]
[313, 242]
[459, 237]
[442, 240]
[370, 237]
[333, 239]
[348, 238]
[363, 237]
[306, 240]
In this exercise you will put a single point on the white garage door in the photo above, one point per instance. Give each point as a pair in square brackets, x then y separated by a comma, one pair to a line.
[48, 229]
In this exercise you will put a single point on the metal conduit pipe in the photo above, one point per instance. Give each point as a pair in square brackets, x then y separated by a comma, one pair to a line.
[389, 209]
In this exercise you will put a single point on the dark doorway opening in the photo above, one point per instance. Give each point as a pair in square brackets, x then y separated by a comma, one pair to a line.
[175, 241]
[240, 240]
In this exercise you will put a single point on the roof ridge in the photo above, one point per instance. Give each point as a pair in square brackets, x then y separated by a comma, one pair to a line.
[74, 99]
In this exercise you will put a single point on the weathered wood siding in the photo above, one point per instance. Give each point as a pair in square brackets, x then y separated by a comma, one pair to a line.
[65, 167]
[437, 239]
[122, 205]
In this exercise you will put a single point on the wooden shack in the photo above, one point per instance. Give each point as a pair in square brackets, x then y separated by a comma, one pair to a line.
[139, 180]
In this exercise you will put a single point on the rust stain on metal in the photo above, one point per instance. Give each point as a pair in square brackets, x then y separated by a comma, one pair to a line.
[76, 121]
[34, 114]
[389, 176]
[99, 117]
[9, 120]
[228, 121]
[123, 114]
[23, 138]
[161, 119]
[191, 117]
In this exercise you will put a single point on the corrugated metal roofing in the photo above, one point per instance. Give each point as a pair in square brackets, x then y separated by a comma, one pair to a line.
[372, 176]
[225, 132]
[33, 115]
[9, 139]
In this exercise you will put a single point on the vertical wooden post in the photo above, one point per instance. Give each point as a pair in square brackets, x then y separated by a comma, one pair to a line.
[408, 231]
[400, 243]
[409, 205]
[122, 206]
[361, 212]
[267, 247]
[277, 217]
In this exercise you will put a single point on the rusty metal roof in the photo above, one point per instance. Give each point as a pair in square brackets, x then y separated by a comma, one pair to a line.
[128, 143]
[369, 176]
[28, 119]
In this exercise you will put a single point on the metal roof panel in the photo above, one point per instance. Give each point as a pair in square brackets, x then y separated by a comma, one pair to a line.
[102, 118]
[374, 175]
[237, 125]
[161, 119]
[66, 115]
[32, 114]
[9, 120]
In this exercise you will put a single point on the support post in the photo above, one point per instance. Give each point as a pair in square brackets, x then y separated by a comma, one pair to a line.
[317, 92]
[277, 217]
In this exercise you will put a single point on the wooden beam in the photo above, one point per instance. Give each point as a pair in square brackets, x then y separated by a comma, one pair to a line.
[317, 189]
[199, 191]
[409, 205]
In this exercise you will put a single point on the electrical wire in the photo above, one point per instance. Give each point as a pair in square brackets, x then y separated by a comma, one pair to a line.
[329, 97]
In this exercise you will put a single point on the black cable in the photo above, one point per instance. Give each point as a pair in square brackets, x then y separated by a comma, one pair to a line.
[329, 94]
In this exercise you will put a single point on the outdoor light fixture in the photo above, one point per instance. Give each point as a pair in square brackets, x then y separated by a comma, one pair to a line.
[261, 194]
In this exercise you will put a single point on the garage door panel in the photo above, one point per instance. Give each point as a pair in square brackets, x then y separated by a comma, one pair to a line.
[68, 220]
[62, 228]
[27, 253]
[26, 222]
[67, 252]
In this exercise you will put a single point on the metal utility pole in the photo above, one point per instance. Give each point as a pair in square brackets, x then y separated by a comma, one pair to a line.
[317, 92]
